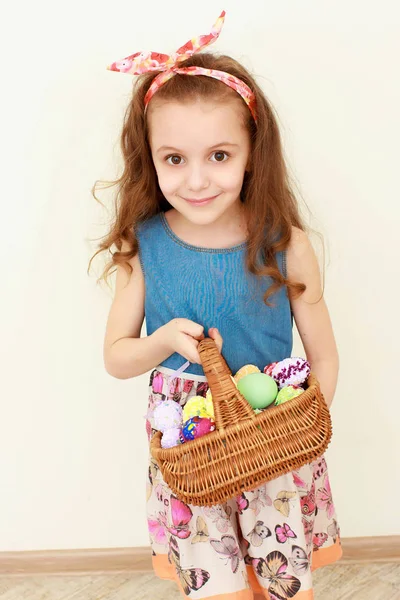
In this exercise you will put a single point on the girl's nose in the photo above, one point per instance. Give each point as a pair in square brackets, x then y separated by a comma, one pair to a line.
[197, 179]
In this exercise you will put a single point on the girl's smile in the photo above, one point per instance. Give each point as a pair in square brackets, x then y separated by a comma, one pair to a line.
[201, 201]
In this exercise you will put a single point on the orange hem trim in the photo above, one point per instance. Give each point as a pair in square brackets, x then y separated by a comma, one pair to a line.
[162, 567]
[326, 556]
[320, 558]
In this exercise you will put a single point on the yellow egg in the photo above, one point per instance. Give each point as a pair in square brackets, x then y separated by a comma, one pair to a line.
[246, 370]
[209, 404]
[198, 407]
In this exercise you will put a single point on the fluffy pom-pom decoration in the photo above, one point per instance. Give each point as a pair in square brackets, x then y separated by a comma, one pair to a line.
[269, 368]
[291, 371]
[167, 415]
[171, 438]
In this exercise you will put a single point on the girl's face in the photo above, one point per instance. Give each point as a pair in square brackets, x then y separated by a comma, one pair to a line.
[200, 152]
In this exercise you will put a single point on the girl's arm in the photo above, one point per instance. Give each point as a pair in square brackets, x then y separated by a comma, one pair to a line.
[311, 314]
[128, 355]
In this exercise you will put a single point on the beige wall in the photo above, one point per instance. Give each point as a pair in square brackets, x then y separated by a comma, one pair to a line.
[72, 442]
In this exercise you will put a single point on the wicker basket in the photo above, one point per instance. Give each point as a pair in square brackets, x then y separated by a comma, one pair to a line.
[246, 449]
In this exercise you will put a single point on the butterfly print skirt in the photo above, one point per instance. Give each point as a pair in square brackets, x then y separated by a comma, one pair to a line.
[266, 541]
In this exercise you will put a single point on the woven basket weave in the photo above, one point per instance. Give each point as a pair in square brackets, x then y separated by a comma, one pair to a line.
[246, 449]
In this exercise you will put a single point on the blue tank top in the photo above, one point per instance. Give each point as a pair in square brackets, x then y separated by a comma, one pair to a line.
[213, 287]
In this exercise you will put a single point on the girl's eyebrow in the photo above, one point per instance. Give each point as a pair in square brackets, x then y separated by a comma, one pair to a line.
[172, 149]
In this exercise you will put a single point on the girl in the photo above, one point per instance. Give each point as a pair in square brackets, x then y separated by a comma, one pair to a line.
[210, 242]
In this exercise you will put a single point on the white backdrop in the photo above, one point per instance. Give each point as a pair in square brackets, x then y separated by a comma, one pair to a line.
[72, 442]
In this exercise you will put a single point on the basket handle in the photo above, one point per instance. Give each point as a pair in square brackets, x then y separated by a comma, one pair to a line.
[230, 407]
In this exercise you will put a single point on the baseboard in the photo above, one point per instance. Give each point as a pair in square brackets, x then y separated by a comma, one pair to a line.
[123, 560]
[377, 549]
[76, 562]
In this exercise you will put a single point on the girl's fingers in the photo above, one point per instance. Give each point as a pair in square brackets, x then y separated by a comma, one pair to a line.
[217, 337]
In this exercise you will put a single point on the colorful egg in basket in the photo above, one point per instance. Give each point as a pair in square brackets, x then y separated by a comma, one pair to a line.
[197, 427]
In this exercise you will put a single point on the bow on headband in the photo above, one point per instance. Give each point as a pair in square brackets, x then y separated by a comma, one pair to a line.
[145, 62]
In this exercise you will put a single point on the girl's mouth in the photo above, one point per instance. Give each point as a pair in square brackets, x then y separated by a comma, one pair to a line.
[200, 201]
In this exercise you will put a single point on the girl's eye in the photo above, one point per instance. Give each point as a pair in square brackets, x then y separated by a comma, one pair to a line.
[219, 156]
[174, 159]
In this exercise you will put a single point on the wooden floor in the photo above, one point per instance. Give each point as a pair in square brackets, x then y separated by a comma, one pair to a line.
[338, 582]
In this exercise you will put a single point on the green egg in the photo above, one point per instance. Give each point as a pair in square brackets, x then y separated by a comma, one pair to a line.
[260, 390]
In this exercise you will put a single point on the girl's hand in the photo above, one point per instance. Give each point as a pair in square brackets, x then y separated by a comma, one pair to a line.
[183, 336]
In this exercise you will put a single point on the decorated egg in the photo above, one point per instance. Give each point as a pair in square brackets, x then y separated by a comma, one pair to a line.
[291, 371]
[171, 438]
[198, 407]
[269, 368]
[189, 427]
[288, 393]
[167, 415]
[259, 389]
[197, 427]
[246, 370]
[203, 427]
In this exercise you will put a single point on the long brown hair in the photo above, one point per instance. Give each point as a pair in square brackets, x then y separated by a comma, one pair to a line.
[266, 193]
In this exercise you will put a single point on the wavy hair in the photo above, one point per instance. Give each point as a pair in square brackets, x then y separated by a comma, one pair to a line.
[266, 194]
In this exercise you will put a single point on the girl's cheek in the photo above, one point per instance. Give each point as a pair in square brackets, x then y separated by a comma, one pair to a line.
[230, 180]
[168, 181]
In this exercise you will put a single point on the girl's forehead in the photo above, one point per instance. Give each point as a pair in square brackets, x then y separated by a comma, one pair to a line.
[173, 122]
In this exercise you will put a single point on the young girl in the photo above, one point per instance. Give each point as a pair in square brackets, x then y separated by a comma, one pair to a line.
[210, 243]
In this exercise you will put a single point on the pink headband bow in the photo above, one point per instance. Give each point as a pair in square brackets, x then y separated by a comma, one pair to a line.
[144, 62]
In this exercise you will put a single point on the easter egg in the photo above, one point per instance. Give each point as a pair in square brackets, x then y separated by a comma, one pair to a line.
[259, 389]
[167, 415]
[203, 427]
[288, 393]
[291, 371]
[269, 368]
[198, 407]
[197, 427]
[209, 405]
[189, 428]
[246, 370]
[171, 438]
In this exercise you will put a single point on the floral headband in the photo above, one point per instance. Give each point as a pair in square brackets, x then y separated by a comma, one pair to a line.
[144, 62]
